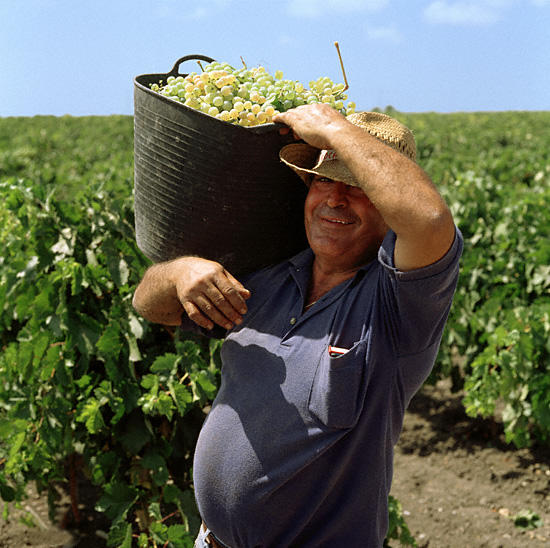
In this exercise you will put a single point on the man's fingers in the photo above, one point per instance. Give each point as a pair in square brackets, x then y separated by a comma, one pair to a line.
[213, 311]
[285, 130]
[243, 292]
[214, 297]
[228, 301]
[195, 315]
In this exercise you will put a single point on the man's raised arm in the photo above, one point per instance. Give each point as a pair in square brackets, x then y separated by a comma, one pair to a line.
[401, 191]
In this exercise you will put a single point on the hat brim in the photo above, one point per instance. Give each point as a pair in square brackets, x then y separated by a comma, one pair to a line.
[303, 159]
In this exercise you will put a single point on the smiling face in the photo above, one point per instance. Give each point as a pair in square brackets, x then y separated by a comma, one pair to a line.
[342, 225]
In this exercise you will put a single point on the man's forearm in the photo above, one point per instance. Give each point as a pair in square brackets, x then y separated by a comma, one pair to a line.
[402, 192]
[399, 188]
[156, 297]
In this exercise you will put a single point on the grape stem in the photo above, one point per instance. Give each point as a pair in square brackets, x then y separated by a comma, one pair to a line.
[337, 46]
[199, 63]
[242, 60]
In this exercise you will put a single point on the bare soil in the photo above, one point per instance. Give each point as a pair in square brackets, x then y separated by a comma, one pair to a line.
[460, 484]
[88, 531]
[458, 481]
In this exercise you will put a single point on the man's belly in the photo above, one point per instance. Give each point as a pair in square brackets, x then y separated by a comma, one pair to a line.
[262, 436]
[258, 436]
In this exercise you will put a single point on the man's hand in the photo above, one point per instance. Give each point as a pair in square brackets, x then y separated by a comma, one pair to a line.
[210, 294]
[315, 124]
[202, 289]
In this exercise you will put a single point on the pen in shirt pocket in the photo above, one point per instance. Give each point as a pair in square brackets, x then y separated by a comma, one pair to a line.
[335, 351]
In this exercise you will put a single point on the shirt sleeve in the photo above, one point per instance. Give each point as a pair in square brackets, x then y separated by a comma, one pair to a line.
[418, 301]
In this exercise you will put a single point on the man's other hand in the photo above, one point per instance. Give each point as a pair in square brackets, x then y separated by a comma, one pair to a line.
[210, 295]
[201, 288]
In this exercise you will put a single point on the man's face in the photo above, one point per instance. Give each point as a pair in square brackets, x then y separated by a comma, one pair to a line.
[342, 224]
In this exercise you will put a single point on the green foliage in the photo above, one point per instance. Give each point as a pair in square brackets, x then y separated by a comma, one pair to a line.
[397, 527]
[82, 374]
[527, 519]
[494, 171]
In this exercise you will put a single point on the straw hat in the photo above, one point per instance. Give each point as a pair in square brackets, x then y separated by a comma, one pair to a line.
[305, 159]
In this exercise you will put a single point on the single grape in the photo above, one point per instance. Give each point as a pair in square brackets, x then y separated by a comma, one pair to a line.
[226, 90]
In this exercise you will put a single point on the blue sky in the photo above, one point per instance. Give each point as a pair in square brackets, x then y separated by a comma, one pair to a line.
[80, 57]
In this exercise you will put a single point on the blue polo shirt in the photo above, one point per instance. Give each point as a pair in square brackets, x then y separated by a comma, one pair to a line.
[298, 447]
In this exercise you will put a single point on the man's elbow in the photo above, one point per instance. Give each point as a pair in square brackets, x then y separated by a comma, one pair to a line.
[137, 302]
[439, 230]
[442, 221]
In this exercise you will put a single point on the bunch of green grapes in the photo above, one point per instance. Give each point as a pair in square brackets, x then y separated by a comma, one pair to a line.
[249, 96]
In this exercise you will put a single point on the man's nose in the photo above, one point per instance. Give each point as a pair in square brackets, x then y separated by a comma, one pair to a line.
[337, 195]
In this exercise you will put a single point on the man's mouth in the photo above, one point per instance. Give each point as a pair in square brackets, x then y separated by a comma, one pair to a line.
[338, 221]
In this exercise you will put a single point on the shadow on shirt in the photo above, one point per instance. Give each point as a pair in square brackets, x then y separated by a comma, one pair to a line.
[263, 394]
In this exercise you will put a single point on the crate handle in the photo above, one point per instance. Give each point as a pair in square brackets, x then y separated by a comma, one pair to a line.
[176, 68]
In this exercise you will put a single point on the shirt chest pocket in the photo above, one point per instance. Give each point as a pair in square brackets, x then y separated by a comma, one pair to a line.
[339, 386]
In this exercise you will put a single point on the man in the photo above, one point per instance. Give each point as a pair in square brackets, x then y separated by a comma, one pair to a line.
[323, 352]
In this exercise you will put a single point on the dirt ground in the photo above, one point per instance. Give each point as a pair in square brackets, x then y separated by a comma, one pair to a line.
[459, 484]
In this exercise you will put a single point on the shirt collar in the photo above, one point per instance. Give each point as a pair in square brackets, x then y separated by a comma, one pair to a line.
[304, 259]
